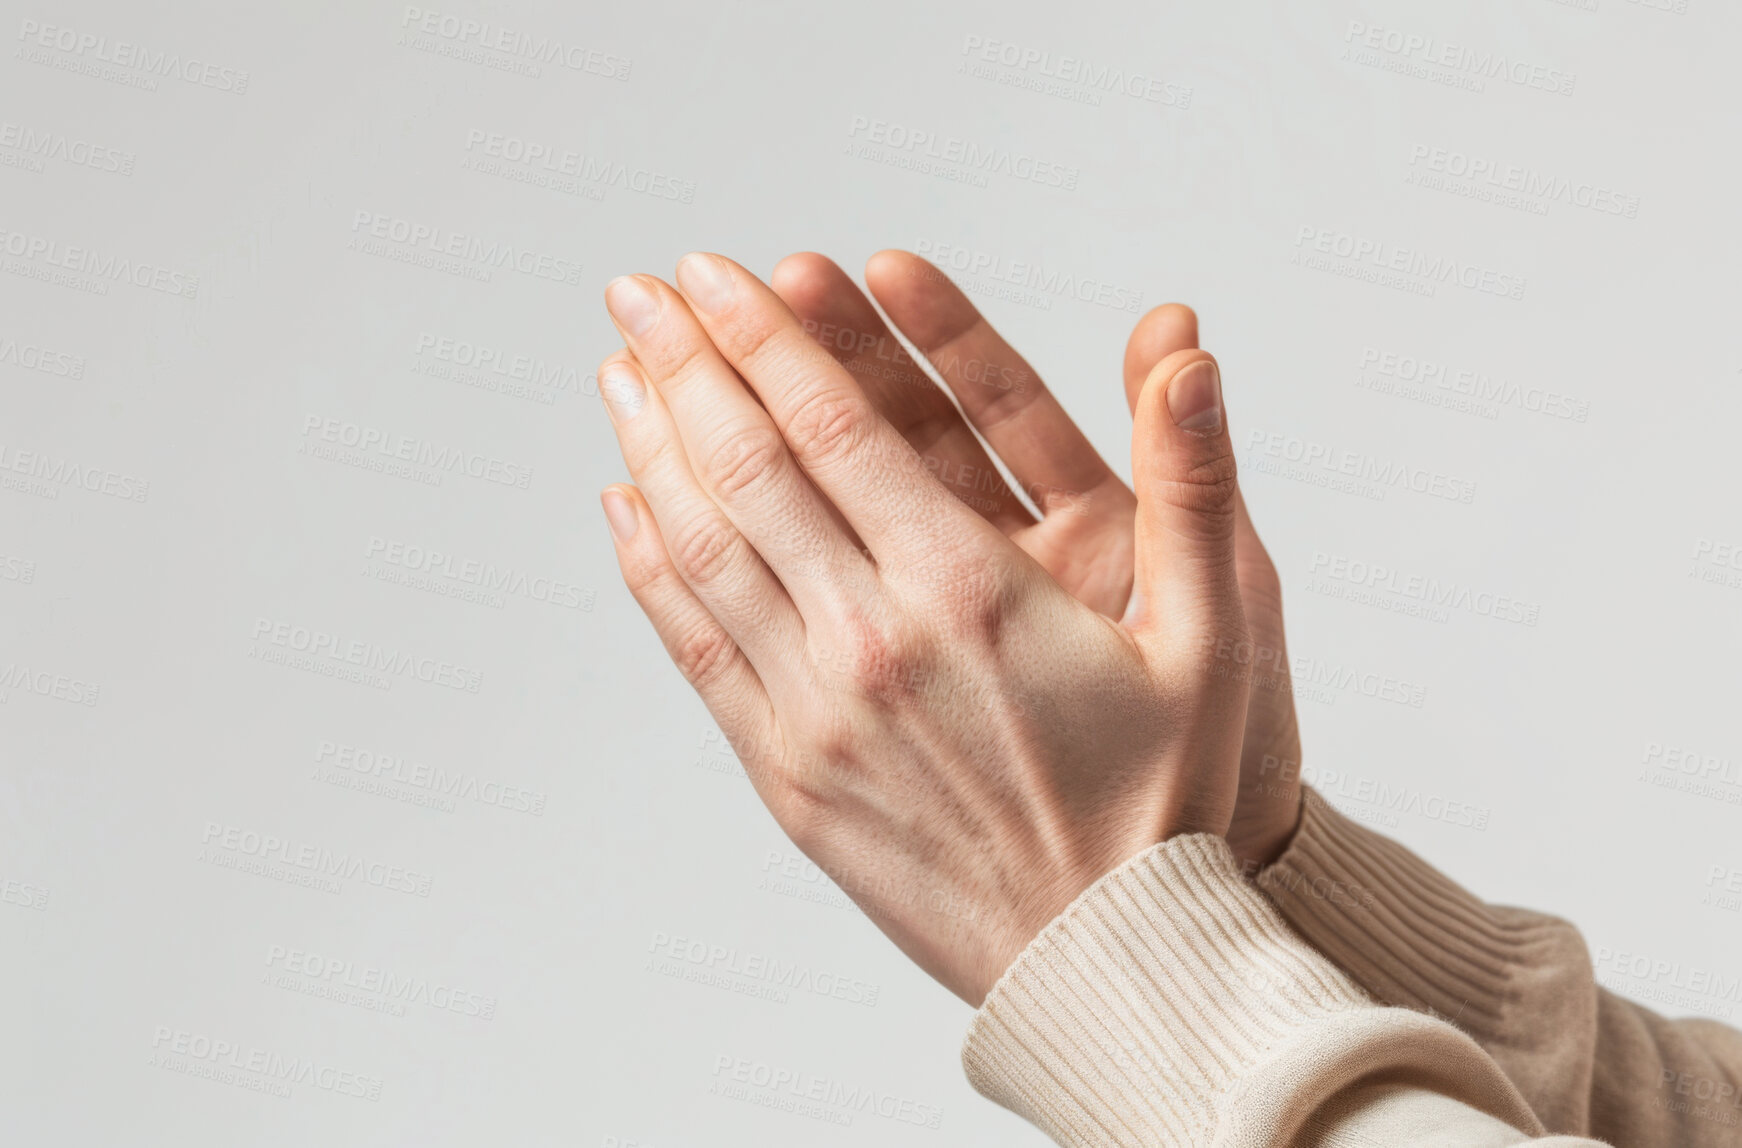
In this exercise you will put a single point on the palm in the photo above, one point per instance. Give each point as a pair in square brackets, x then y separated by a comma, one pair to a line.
[1084, 535]
[1094, 565]
[1097, 570]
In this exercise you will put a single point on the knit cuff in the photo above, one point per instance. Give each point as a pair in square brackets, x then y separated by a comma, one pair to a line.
[1408, 934]
[1137, 1012]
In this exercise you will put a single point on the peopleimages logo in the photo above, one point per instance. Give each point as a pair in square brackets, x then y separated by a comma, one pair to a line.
[1388, 796]
[14, 569]
[1367, 471]
[99, 265]
[485, 576]
[966, 154]
[121, 54]
[464, 31]
[23, 894]
[1032, 276]
[1459, 58]
[1428, 592]
[723, 962]
[1694, 763]
[51, 474]
[60, 687]
[36, 357]
[1386, 256]
[402, 990]
[588, 169]
[179, 1050]
[367, 656]
[397, 769]
[428, 239]
[513, 366]
[225, 845]
[1717, 985]
[394, 447]
[1476, 385]
[803, 1085]
[50, 145]
[1523, 181]
[1073, 71]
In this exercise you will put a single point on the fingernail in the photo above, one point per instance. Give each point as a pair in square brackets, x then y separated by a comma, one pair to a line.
[705, 281]
[631, 304]
[1194, 398]
[621, 386]
[620, 513]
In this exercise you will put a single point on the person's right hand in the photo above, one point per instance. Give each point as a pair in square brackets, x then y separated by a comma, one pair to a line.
[1084, 537]
[920, 705]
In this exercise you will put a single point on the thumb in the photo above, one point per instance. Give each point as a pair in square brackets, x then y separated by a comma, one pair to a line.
[1168, 328]
[1182, 464]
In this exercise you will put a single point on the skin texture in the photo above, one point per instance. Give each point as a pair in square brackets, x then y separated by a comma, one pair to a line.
[929, 714]
[1085, 538]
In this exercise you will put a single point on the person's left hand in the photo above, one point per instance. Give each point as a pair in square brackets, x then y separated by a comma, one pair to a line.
[916, 701]
[1085, 531]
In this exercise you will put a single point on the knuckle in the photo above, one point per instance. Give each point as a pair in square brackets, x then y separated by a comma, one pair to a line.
[833, 771]
[650, 574]
[815, 774]
[980, 604]
[802, 809]
[931, 421]
[644, 577]
[1206, 487]
[751, 338]
[830, 758]
[704, 655]
[744, 460]
[684, 361]
[790, 351]
[875, 664]
[655, 458]
[942, 563]
[827, 425]
[1005, 406]
[707, 551]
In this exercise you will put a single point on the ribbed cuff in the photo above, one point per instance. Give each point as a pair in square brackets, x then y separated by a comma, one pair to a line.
[1136, 1013]
[1414, 938]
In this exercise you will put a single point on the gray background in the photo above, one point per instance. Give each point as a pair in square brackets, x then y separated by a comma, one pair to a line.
[167, 505]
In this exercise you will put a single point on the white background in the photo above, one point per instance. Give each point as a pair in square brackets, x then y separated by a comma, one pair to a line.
[144, 725]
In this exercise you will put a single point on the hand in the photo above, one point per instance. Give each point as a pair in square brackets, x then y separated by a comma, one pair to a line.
[922, 708]
[1085, 537]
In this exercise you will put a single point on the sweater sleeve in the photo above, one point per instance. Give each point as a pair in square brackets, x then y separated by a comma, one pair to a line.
[1519, 983]
[1171, 1004]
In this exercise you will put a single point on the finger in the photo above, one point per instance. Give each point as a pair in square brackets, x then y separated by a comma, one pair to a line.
[842, 321]
[734, 448]
[1053, 461]
[703, 651]
[727, 575]
[1257, 572]
[1165, 329]
[855, 457]
[1174, 327]
[1183, 466]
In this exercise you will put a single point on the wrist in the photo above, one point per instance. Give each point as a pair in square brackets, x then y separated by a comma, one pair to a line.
[1262, 830]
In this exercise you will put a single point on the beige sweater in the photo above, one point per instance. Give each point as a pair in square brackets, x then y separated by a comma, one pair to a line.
[1361, 999]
